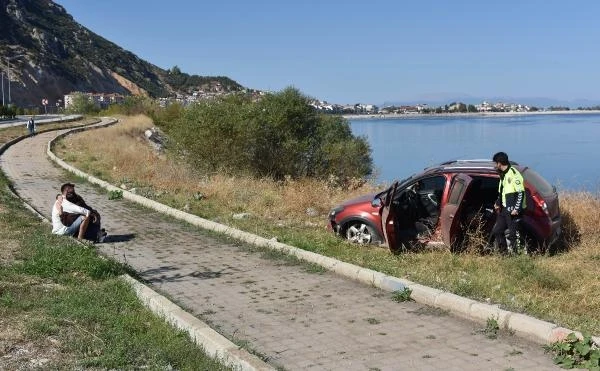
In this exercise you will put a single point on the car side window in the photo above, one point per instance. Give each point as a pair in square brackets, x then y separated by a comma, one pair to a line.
[436, 183]
[431, 189]
[455, 192]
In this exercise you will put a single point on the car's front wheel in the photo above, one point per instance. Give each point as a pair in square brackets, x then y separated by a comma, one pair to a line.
[361, 233]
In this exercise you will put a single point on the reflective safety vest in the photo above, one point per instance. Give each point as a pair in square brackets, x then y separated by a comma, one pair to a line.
[512, 190]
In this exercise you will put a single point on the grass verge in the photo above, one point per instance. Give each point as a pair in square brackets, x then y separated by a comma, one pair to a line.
[64, 307]
[562, 288]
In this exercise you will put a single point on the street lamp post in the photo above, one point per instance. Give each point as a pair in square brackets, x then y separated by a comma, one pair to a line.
[8, 63]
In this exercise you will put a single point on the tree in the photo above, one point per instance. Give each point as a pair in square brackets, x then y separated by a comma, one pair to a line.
[471, 108]
[280, 135]
[82, 104]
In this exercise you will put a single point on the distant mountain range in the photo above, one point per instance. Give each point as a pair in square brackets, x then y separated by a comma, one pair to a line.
[436, 100]
[51, 55]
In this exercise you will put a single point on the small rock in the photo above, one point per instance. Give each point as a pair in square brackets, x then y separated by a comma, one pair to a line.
[148, 133]
[186, 207]
[123, 186]
[39, 362]
[241, 216]
[274, 239]
[198, 196]
[133, 190]
[54, 341]
[311, 211]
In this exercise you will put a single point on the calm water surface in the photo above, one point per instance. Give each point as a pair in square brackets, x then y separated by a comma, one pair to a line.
[563, 148]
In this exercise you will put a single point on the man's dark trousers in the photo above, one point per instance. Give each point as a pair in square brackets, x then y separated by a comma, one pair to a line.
[505, 220]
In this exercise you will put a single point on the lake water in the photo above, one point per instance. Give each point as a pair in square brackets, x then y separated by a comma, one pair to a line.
[564, 148]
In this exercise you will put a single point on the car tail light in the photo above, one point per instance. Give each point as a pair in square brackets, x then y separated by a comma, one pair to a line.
[540, 203]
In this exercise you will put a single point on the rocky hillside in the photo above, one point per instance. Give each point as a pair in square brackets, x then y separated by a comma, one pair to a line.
[51, 55]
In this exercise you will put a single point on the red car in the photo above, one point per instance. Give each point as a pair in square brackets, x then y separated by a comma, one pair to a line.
[438, 204]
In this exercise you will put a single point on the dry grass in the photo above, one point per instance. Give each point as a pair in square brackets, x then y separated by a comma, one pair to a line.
[563, 288]
[126, 157]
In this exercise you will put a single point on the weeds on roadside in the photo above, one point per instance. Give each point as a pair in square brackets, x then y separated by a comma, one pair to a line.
[491, 328]
[402, 295]
[115, 195]
[573, 352]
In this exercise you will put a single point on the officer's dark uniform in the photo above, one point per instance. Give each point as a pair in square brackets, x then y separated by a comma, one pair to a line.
[511, 196]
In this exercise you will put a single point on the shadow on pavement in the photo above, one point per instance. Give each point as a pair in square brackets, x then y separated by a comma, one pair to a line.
[160, 274]
[119, 237]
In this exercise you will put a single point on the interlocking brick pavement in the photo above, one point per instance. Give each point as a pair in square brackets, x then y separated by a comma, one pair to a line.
[295, 318]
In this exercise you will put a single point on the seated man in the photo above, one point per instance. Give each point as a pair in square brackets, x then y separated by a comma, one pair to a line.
[78, 227]
[94, 232]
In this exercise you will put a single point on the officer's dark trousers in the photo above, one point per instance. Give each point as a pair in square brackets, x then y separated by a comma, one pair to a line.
[503, 221]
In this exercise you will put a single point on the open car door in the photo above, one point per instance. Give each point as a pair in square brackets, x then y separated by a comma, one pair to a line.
[450, 216]
[387, 217]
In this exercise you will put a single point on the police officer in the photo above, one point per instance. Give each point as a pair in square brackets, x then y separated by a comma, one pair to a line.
[510, 203]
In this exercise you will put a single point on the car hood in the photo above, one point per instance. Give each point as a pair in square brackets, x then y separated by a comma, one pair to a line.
[360, 200]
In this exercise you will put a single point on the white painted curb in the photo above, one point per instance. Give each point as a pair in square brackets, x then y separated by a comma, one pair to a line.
[213, 343]
[526, 326]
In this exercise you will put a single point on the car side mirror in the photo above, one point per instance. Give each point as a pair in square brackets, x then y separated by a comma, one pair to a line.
[376, 202]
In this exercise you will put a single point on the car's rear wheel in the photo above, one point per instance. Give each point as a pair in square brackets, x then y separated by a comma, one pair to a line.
[361, 233]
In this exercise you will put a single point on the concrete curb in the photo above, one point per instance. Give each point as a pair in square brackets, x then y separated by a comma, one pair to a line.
[539, 331]
[213, 343]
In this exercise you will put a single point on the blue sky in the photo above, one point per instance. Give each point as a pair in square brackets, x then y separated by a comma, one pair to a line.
[369, 52]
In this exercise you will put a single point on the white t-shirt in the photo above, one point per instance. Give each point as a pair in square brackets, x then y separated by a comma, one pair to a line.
[68, 207]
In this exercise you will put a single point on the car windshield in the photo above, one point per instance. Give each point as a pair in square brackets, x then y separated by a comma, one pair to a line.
[401, 184]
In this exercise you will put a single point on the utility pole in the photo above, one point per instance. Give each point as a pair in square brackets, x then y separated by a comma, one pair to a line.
[8, 62]
[3, 88]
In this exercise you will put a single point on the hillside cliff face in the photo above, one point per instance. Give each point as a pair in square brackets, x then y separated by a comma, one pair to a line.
[51, 55]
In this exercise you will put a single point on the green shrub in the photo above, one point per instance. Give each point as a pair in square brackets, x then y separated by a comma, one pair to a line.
[280, 135]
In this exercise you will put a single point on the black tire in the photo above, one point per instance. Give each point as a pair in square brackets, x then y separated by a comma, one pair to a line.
[361, 233]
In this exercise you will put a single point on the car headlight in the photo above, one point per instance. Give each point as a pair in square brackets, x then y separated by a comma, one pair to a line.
[336, 210]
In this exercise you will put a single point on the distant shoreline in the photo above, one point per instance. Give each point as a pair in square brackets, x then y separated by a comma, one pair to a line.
[387, 116]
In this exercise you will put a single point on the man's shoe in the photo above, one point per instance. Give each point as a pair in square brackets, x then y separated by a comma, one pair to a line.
[102, 235]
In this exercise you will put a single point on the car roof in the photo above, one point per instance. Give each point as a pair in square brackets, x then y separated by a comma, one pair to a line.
[472, 166]
[466, 166]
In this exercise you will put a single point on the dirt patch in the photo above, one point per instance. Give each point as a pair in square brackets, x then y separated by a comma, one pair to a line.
[19, 353]
[8, 250]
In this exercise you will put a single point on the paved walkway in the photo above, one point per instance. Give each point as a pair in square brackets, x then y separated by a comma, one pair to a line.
[296, 318]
